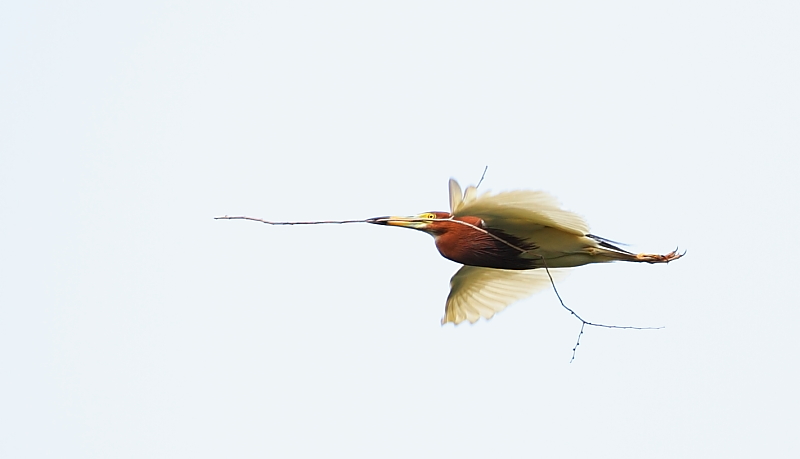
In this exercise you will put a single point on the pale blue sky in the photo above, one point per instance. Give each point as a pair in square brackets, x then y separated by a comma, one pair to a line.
[134, 325]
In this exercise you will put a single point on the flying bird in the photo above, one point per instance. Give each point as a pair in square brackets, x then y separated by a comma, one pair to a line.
[504, 241]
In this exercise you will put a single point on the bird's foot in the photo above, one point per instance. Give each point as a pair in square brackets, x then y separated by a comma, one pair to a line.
[654, 258]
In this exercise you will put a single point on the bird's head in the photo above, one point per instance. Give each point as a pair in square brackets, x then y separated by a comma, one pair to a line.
[466, 239]
[435, 223]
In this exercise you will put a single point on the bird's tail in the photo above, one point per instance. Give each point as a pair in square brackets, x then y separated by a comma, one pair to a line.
[607, 249]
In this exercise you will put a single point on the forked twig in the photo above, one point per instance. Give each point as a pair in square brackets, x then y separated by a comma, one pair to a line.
[584, 323]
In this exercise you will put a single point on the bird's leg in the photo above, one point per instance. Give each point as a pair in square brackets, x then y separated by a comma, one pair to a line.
[655, 258]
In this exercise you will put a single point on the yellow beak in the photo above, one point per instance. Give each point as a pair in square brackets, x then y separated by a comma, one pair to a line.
[405, 222]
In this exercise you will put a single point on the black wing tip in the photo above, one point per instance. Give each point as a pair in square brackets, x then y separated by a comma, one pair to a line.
[609, 244]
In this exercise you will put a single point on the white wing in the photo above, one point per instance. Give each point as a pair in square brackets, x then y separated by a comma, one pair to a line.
[459, 200]
[482, 292]
[516, 211]
[455, 196]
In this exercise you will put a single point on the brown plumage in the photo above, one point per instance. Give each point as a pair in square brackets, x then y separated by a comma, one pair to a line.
[490, 248]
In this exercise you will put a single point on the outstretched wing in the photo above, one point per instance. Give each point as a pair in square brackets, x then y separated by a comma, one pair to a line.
[482, 292]
[516, 211]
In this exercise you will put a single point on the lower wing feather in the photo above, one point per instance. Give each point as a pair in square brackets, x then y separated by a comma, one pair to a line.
[482, 292]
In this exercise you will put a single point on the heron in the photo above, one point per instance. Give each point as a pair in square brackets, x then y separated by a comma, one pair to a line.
[510, 245]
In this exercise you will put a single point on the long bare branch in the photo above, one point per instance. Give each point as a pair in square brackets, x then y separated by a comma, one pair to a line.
[322, 222]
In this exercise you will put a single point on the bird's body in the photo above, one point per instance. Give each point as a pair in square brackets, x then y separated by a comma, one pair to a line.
[501, 239]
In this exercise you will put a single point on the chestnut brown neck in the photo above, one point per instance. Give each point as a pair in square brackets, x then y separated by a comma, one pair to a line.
[476, 245]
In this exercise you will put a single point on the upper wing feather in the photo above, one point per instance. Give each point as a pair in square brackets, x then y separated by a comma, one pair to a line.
[482, 292]
[516, 209]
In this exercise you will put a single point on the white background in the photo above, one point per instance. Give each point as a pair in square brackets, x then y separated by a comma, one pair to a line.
[134, 325]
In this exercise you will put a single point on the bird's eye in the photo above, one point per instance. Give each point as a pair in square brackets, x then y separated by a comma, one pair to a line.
[433, 216]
